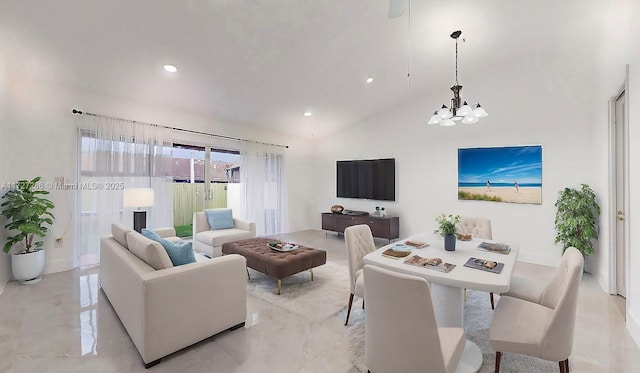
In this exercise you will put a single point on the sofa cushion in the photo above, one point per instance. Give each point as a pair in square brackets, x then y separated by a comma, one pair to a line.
[179, 252]
[218, 237]
[119, 233]
[148, 250]
[220, 218]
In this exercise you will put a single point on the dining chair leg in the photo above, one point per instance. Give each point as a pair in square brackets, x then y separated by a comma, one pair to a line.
[498, 357]
[349, 309]
[363, 303]
[492, 305]
[566, 364]
[561, 363]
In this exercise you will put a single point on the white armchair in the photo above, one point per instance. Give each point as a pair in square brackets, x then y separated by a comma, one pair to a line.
[209, 242]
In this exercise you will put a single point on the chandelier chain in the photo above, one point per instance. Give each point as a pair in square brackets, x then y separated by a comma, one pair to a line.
[457, 62]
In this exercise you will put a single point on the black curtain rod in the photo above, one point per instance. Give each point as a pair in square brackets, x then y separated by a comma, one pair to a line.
[79, 112]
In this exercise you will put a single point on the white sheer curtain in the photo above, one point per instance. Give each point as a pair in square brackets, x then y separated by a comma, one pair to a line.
[263, 188]
[114, 155]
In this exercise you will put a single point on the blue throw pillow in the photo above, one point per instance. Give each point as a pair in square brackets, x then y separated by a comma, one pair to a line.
[179, 252]
[220, 218]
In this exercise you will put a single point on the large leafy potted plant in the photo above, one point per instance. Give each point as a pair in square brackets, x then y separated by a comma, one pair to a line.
[576, 219]
[28, 215]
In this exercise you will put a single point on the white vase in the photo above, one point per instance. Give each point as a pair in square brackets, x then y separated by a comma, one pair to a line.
[27, 268]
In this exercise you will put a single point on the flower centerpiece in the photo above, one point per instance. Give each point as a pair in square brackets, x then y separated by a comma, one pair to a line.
[447, 227]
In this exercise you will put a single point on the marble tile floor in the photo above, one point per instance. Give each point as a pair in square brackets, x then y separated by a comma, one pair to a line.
[66, 324]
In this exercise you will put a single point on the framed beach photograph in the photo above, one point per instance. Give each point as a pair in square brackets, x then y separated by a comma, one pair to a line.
[501, 174]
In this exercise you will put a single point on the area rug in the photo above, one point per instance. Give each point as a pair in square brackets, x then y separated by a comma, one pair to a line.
[315, 300]
[477, 317]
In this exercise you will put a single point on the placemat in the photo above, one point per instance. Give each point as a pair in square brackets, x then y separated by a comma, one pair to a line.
[478, 263]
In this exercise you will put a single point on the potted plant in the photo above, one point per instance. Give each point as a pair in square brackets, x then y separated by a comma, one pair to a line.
[447, 228]
[576, 219]
[28, 214]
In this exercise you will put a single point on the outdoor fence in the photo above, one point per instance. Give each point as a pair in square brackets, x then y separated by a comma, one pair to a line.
[189, 198]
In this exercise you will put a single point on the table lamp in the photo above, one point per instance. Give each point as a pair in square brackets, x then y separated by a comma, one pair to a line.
[138, 198]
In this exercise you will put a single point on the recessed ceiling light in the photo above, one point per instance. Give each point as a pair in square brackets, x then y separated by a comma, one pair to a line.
[307, 114]
[369, 80]
[170, 68]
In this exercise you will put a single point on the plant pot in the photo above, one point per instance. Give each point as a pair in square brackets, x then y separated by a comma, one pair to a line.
[27, 268]
[450, 242]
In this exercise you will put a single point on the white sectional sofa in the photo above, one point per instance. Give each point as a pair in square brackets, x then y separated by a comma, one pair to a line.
[166, 308]
[209, 242]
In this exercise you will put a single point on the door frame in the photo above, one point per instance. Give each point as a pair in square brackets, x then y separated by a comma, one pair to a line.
[624, 88]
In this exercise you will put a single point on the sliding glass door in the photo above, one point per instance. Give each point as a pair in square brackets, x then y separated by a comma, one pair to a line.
[201, 181]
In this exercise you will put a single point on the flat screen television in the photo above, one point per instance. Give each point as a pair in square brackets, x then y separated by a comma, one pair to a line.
[369, 179]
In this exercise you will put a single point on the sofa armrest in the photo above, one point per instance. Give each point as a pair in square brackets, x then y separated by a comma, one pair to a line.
[188, 303]
[165, 232]
[245, 225]
[200, 223]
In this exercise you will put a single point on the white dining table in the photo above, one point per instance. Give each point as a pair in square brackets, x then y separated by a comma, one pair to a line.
[447, 289]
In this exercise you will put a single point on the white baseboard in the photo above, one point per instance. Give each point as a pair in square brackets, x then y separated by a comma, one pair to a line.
[537, 259]
[633, 326]
[58, 266]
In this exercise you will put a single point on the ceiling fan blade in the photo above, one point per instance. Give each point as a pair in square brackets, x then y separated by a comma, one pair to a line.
[396, 8]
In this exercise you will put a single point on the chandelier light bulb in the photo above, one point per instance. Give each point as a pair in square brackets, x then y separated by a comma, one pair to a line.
[470, 119]
[444, 113]
[464, 110]
[447, 123]
[479, 111]
[435, 119]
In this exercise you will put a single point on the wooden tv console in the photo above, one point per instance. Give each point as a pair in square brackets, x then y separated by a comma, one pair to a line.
[382, 227]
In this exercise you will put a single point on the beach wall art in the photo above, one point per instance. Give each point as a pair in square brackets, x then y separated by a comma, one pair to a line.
[501, 174]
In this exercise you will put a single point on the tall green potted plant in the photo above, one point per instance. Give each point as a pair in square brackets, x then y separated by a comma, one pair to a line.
[576, 219]
[28, 215]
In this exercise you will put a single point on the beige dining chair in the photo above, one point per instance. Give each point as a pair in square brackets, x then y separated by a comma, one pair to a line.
[359, 242]
[478, 227]
[530, 289]
[541, 328]
[401, 333]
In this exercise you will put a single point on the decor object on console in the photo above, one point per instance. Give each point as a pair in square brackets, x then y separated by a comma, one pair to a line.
[447, 227]
[165, 308]
[337, 209]
[138, 198]
[459, 111]
[209, 241]
[576, 218]
[28, 215]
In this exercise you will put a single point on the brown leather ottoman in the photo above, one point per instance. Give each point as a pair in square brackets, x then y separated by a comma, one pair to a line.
[273, 263]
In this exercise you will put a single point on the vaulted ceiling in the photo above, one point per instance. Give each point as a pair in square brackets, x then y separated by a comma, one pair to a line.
[265, 62]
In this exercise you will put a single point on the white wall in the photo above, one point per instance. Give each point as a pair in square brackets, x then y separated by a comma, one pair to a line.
[43, 142]
[5, 267]
[633, 296]
[547, 97]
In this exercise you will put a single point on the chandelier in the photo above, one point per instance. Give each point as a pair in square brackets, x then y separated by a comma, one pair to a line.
[465, 113]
